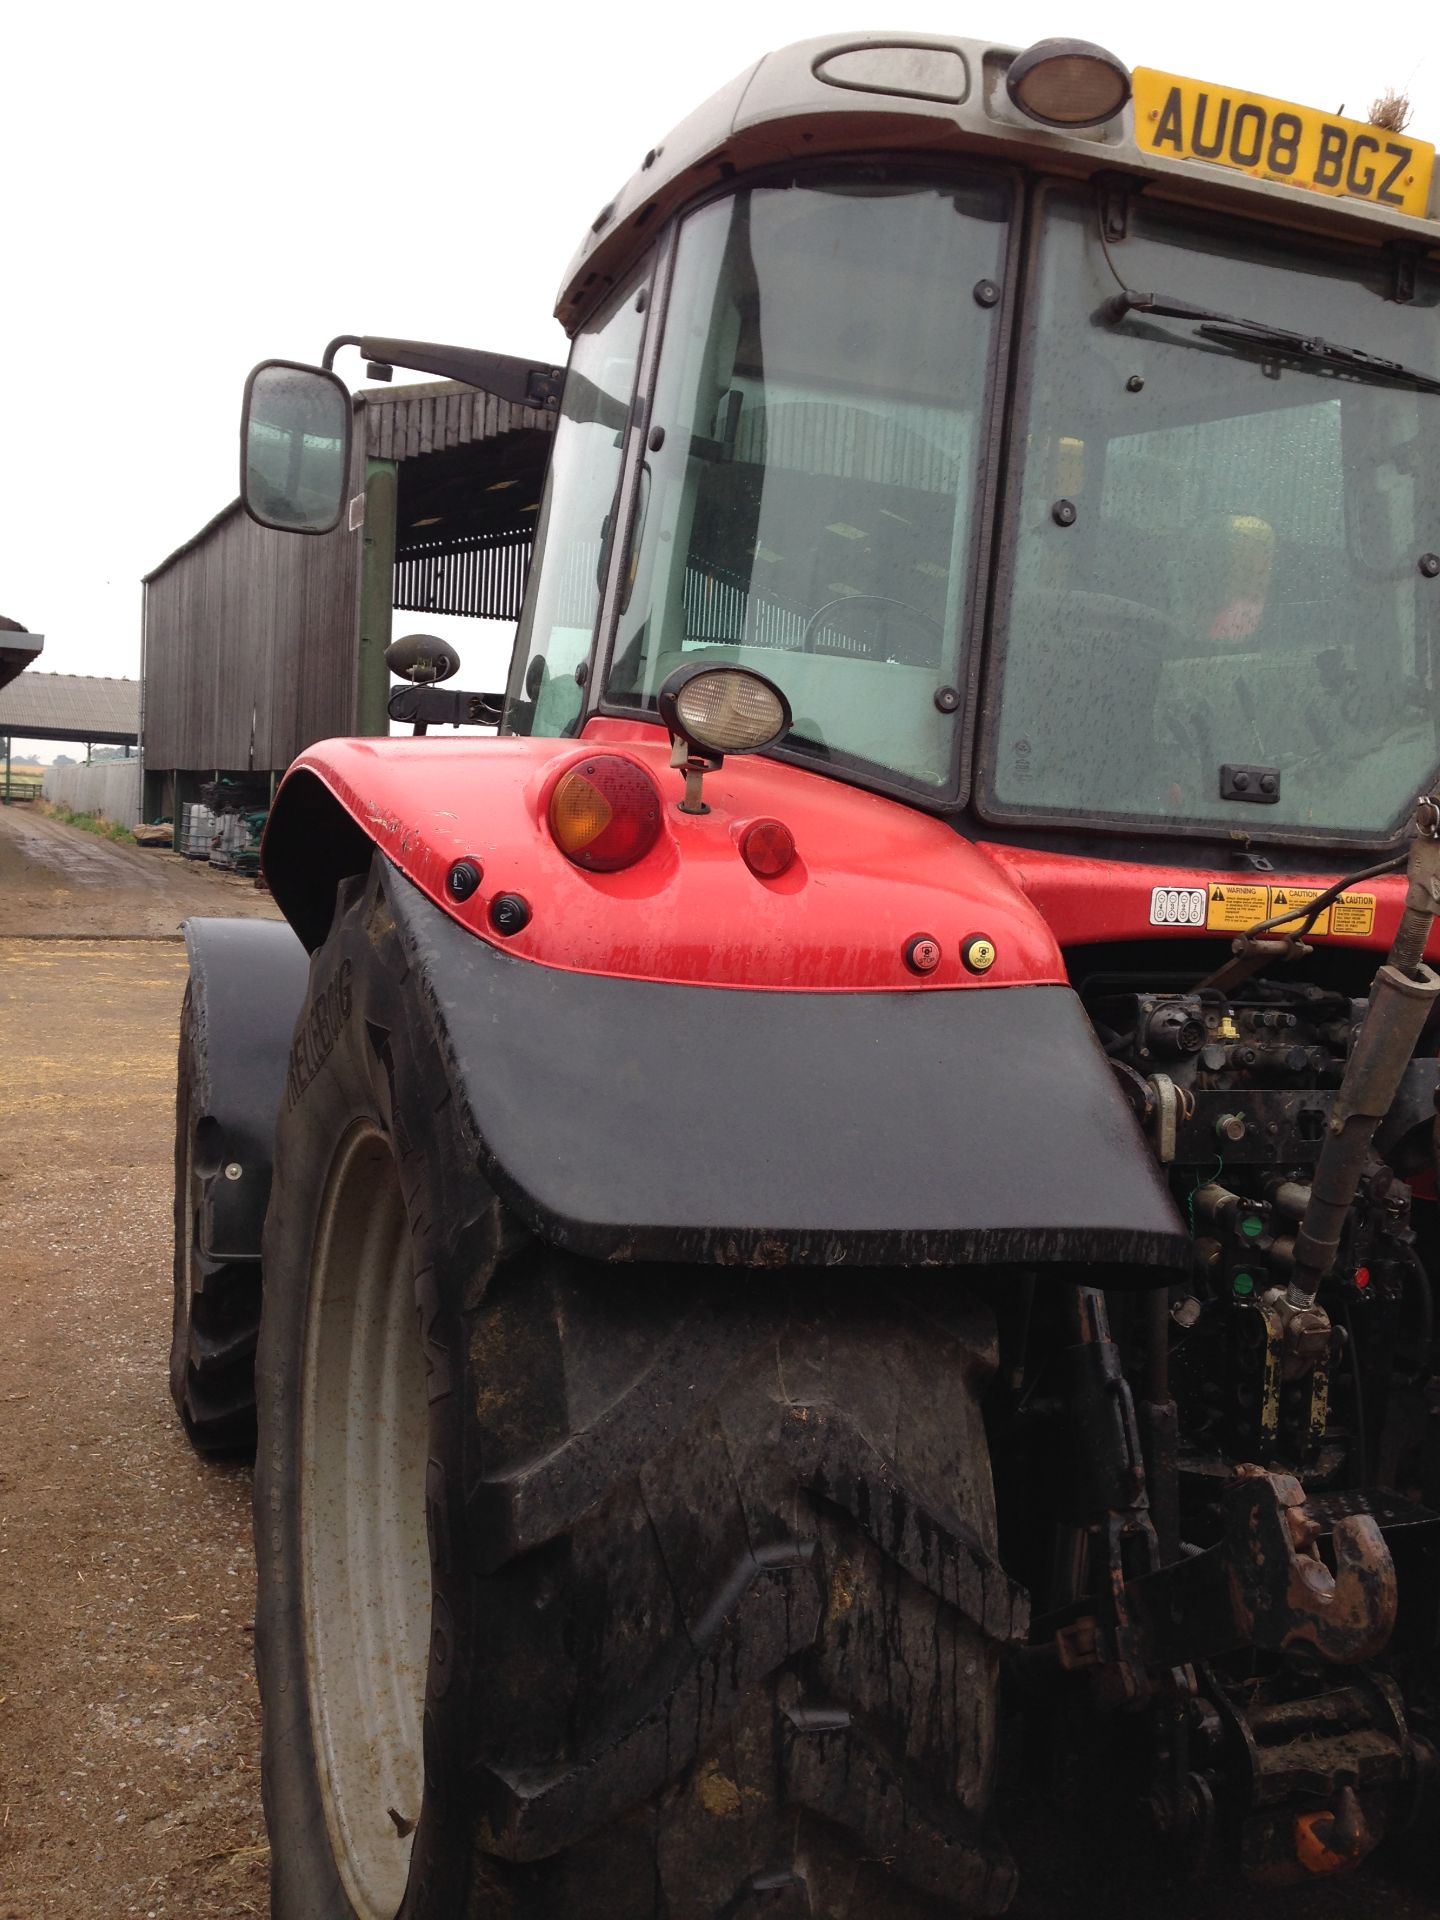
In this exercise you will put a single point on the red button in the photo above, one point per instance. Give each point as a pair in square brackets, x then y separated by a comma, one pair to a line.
[922, 953]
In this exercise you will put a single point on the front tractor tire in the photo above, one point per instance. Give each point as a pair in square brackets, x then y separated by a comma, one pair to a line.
[597, 1590]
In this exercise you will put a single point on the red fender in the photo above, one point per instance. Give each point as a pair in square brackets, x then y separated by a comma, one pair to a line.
[870, 873]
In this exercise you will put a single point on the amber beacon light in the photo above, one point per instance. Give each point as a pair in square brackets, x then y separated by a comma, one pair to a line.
[1068, 83]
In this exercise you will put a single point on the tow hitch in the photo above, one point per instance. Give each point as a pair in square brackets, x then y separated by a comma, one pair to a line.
[1265, 1584]
[1311, 1765]
[1304, 1765]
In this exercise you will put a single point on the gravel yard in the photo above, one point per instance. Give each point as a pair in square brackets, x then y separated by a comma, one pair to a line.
[54, 879]
[128, 1714]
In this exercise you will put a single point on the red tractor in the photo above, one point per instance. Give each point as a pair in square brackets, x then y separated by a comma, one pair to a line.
[866, 1170]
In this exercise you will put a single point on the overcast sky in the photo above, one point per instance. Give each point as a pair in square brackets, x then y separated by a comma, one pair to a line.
[188, 190]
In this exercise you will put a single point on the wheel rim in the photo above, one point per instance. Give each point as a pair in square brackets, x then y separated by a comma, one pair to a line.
[366, 1566]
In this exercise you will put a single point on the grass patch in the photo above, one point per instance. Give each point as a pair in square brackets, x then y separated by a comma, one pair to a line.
[91, 823]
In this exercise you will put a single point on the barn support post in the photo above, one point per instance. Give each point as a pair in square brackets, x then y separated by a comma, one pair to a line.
[377, 597]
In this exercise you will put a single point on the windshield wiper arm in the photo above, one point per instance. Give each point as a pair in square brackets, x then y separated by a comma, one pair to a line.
[1234, 328]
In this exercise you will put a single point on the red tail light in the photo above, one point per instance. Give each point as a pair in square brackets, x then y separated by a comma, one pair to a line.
[767, 847]
[605, 813]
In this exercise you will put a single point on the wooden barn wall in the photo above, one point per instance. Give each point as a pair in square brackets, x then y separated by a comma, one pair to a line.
[250, 646]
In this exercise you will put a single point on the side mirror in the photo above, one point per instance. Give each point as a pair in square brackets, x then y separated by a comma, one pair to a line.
[295, 447]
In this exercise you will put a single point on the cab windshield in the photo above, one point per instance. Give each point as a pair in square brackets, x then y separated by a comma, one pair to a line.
[1223, 555]
[807, 505]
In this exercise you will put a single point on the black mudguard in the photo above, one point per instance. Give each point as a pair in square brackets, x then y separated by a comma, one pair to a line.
[247, 986]
[628, 1120]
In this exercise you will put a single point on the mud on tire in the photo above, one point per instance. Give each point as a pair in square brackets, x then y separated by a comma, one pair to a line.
[715, 1614]
[215, 1318]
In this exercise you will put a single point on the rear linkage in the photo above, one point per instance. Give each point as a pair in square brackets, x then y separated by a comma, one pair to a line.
[1308, 1759]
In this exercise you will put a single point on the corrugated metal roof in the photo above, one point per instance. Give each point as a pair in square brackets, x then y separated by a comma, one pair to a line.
[407, 421]
[72, 706]
[18, 650]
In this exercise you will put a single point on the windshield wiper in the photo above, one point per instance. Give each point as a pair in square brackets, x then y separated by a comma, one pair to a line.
[1238, 331]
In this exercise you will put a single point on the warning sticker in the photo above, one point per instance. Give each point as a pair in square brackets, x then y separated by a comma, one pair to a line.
[1225, 906]
[1287, 899]
[1353, 913]
[1233, 908]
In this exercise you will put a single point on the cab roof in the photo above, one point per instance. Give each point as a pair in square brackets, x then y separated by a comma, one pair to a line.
[866, 93]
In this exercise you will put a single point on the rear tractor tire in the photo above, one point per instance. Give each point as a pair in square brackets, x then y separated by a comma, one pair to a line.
[215, 1320]
[602, 1591]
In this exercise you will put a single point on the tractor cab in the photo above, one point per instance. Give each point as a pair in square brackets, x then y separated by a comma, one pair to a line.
[1043, 499]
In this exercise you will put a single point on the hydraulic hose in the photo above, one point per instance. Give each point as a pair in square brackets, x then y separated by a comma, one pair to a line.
[1422, 896]
[1401, 1000]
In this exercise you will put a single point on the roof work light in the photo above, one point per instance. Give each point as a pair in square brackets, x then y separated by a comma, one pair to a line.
[711, 711]
[1068, 83]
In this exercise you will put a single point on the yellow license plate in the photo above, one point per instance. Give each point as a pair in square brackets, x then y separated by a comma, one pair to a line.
[1273, 140]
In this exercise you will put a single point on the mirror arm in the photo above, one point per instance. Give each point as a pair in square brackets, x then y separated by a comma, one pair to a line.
[340, 340]
[519, 381]
[445, 707]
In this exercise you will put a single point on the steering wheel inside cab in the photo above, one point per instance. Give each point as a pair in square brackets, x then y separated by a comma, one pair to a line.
[870, 626]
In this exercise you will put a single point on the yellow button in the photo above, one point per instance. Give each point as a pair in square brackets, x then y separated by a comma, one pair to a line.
[978, 954]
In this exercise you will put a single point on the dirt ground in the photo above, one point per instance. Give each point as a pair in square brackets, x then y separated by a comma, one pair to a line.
[128, 1723]
[129, 1778]
[55, 879]
[128, 1718]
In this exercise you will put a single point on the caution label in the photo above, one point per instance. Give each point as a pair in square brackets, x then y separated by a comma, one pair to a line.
[1227, 906]
[1289, 900]
[1231, 908]
[1353, 913]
